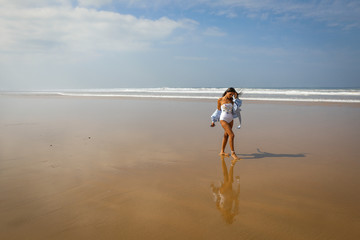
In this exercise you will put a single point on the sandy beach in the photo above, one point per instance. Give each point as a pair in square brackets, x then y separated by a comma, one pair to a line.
[117, 168]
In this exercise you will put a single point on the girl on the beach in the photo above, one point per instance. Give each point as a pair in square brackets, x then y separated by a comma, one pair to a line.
[227, 108]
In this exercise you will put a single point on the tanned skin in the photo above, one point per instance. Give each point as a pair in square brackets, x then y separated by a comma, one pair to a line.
[228, 133]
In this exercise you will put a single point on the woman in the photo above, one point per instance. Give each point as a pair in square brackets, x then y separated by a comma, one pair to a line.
[227, 107]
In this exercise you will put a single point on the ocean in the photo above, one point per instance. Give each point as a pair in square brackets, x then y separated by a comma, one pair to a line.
[248, 94]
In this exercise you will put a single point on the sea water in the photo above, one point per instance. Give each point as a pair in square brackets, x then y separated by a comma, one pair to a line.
[247, 94]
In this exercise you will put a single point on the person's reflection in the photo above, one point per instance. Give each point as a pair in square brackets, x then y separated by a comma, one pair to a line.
[225, 197]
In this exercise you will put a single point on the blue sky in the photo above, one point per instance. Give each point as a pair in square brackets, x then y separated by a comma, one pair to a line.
[48, 44]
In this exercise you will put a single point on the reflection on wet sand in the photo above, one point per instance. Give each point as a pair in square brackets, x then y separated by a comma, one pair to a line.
[225, 197]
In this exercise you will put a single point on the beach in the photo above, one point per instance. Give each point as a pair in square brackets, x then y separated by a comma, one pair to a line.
[128, 168]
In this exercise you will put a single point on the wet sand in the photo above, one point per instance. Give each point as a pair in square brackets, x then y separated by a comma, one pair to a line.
[96, 168]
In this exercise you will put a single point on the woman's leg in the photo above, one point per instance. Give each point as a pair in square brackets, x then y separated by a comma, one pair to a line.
[228, 129]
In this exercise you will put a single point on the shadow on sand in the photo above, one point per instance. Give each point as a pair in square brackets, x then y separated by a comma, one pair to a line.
[261, 154]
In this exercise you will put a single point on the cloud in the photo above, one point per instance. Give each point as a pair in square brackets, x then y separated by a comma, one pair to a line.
[343, 13]
[36, 3]
[93, 3]
[214, 32]
[228, 13]
[47, 29]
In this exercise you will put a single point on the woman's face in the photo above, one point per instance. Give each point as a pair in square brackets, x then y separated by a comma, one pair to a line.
[229, 94]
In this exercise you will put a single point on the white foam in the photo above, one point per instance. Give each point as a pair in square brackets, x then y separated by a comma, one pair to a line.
[209, 97]
[133, 96]
[249, 94]
[297, 92]
[302, 92]
[151, 90]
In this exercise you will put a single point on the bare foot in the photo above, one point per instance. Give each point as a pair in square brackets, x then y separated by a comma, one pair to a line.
[224, 154]
[233, 154]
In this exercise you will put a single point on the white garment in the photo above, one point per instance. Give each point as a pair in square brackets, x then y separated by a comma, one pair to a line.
[215, 117]
[227, 112]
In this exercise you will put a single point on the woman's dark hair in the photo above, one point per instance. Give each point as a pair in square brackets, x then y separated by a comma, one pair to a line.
[229, 90]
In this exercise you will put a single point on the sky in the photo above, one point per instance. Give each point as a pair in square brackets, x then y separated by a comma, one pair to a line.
[69, 44]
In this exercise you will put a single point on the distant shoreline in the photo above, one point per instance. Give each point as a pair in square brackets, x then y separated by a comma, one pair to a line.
[308, 102]
[327, 96]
